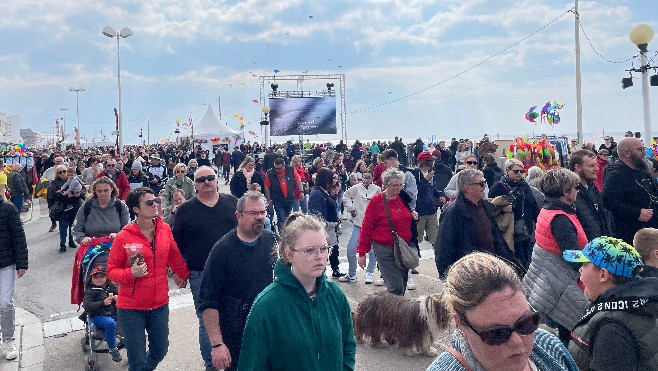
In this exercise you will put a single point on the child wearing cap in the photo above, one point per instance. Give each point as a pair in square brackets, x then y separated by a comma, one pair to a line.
[619, 329]
[646, 244]
[99, 303]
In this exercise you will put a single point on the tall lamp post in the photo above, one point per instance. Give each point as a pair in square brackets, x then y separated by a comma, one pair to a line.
[125, 32]
[641, 35]
[77, 112]
[63, 109]
[264, 124]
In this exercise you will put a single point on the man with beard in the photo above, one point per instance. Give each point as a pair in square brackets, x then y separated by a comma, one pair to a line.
[200, 223]
[239, 267]
[629, 192]
[589, 209]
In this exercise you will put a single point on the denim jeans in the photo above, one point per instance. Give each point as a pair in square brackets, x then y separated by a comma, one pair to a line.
[300, 204]
[282, 210]
[18, 202]
[134, 324]
[64, 226]
[204, 341]
[339, 203]
[7, 313]
[351, 253]
[109, 327]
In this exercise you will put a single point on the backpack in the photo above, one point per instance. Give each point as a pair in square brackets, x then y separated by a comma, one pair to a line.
[87, 208]
[497, 175]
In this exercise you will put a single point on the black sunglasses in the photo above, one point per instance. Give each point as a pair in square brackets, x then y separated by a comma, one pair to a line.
[481, 184]
[471, 162]
[517, 171]
[499, 335]
[61, 172]
[202, 179]
[152, 201]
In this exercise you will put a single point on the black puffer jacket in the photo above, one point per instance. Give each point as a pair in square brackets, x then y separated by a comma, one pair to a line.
[13, 246]
[93, 301]
[591, 214]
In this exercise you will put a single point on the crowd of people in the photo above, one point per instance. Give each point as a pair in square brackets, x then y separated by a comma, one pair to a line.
[516, 246]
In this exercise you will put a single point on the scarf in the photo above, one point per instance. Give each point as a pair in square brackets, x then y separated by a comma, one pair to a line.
[248, 175]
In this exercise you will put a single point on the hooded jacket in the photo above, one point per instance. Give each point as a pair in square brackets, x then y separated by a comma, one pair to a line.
[152, 290]
[13, 246]
[288, 330]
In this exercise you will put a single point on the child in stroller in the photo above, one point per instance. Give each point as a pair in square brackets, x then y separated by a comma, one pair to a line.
[99, 304]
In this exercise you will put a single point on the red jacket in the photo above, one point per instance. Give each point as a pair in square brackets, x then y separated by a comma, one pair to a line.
[601, 164]
[377, 173]
[122, 184]
[150, 291]
[375, 224]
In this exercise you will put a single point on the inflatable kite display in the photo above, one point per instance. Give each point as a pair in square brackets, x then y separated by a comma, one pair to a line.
[533, 153]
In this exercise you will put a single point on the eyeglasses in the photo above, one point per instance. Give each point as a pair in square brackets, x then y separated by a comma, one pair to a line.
[202, 179]
[517, 171]
[310, 252]
[152, 201]
[110, 165]
[471, 162]
[255, 212]
[499, 335]
[481, 184]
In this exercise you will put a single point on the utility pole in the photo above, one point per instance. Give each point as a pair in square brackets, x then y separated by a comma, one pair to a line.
[579, 99]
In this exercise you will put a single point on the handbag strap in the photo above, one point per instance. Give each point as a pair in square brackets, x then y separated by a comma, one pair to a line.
[460, 358]
[388, 216]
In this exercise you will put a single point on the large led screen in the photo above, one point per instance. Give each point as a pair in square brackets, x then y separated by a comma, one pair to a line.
[302, 116]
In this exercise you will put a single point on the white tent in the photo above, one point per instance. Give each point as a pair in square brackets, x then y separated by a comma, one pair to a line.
[70, 139]
[103, 140]
[210, 132]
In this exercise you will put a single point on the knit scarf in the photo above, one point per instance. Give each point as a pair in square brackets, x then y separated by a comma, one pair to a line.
[248, 175]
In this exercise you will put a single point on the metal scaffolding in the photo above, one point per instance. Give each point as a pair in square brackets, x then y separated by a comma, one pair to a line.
[265, 129]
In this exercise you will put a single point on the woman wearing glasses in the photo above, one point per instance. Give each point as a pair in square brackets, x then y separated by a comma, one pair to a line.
[138, 262]
[58, 196]
[496, 327]
[524, 207]
[103, 214]
[451, 191]
[302, 320]
[178, 181]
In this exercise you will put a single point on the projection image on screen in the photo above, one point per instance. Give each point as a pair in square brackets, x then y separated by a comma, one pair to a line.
[302, 116]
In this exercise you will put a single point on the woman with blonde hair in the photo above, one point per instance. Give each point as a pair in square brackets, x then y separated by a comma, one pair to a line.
[496, 327]
[57, 199]
[245, 175]
[178, 181]
[301, 318]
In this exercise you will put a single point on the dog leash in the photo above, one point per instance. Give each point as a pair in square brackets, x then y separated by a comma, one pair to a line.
[460, 358]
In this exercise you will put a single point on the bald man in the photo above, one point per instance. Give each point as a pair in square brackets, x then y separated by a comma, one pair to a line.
[630, 193]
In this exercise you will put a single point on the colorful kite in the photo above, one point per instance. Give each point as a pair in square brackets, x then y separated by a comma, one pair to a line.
[531, 115]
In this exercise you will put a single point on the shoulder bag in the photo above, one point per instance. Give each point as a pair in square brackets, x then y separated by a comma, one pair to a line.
[406, 257]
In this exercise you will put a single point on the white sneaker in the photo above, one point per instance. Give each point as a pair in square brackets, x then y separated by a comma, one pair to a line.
[10, 350]
[379, 282]
[411, 285]
[368, 278]
[347, 278]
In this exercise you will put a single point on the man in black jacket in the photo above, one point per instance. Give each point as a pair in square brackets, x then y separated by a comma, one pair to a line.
[13, 263]
[592, 216]
[629, 192]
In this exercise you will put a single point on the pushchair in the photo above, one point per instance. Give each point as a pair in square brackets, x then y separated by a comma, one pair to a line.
[87, 258]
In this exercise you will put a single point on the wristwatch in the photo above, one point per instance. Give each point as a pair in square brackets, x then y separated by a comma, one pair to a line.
[217, 345]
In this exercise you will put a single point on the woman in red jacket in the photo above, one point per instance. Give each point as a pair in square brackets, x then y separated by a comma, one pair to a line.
[376, 232]
[138, 261]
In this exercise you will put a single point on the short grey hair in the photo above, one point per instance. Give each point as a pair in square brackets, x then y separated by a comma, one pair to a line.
[466, 177]
[390, 174]
[249, 195]
[558, 181]
[534, 177]
[510, 163]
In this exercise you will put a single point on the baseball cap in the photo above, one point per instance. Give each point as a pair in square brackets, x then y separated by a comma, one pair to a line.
[424, 156]
[97, 269]
[613, 254]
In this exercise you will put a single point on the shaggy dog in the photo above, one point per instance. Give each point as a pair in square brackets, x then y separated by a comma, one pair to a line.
[414, 324]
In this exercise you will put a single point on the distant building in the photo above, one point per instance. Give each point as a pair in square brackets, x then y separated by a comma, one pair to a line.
[10, 126]
[30, 138]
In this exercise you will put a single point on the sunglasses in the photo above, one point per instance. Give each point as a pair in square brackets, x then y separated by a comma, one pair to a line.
[202, 179]
[151, 202]
[109, 165]
[481, 184]
[499, 335]
[61, 172]
[180, 171]
[471, 162]
[517, 171]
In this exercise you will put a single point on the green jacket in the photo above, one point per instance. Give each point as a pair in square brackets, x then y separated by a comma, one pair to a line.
[287, 330]
[172, 184]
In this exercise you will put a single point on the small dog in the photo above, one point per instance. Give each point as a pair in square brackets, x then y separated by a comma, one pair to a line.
[414, 324]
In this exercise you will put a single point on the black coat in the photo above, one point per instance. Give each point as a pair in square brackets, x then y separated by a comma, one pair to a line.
[625, 192]
[13, 246]
[455, 237]
[93, 301]
[239, 183]
[592, 216]
[524, 204]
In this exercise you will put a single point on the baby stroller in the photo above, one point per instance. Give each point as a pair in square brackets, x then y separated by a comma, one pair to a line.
[87, 258]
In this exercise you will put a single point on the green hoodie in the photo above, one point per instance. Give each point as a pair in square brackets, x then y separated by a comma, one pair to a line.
[287, 330]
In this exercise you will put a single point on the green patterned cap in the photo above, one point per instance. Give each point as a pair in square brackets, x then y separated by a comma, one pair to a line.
[613, 254]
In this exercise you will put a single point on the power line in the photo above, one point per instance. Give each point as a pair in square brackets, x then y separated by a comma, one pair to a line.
[580, 24]
[492, 57]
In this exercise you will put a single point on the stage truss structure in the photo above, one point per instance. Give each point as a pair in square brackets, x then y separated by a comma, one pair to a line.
[265, 129]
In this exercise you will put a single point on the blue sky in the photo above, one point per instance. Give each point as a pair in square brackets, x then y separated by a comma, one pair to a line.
[395, 56]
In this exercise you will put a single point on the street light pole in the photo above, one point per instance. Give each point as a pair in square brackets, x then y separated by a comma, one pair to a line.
[77, 111]
[641, 35]
[125, 32]
[63, 109]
